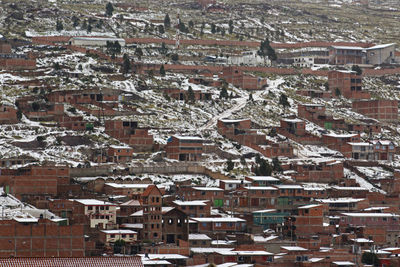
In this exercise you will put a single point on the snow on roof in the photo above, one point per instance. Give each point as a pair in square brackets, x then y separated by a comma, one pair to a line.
[260, 188]
[236, 181]
[359, 144]
[362, 240]
[347, 47]
[375, 208]
[264, 211]
[289, 186]
[340, 135]
[246, 253]
[315, 259]
[118, 231]
[26, 220]
[292, 120]
[359, 214]
[208, 188]
[391, 249]
[379, 251]
[343, 263]
[188, 137]
[309, 206]
[294, 248]
[353, 188]
[232, 120]
[222, 242]
[381, 46]
[120, 147]
[262, 239]
[155, 262]
[163, 256]
[199, 237]
[263, 178]
[340, 200]
[190, 203]
[94, 202]
[218, 219]
[137, 186]
[209, 250]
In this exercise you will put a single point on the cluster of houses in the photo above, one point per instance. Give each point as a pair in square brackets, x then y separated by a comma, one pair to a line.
[310, 213]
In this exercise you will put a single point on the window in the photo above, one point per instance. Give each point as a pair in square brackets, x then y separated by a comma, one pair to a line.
[90, 207]
[124, 236]
[218, 224]
[112, 236]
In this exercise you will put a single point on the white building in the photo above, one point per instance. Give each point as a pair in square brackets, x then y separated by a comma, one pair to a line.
[95, 41]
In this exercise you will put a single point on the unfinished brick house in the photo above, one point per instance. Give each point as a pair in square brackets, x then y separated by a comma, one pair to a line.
[240, 131]
[180, 94]
[119, 154]
[12, 61]
[184, 148]
[339, 142]
[317, 114]
[295, 129]
[382, 110]
[236, 77]
[35, 184]
[8, 114]
[129, 133]
[175, 226]
[213, 194]
[92, 212]
[346, 83]
[152, 214]
[23, 237]
[317, 170]
[309, 226]
[194, 208]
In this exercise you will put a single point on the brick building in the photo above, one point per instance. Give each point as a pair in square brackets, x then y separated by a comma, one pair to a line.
[316, 113]
[184, 148]
[213, 194]
[152, 214]
[175, 226]
[35, 184]
[128, 132]
[119, 154]
[295, 129]
[382, 110]
[8, 114]
[236, 77]
[309, 225]
[40, 238]
[339, 142]
[346, 83]
[342, 55]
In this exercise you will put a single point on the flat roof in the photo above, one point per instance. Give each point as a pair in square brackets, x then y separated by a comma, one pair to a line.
[94, 202]
[199, 237]
[263, 178]
[260, 188]
[119, 231]
[294, 248]
[190, 203]
[218, 219]
[208, 188]
[309, 206]
[115, 185]
[370, 214]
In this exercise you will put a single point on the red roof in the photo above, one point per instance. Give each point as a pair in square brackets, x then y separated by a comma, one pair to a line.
[73, 262]
[149, 189]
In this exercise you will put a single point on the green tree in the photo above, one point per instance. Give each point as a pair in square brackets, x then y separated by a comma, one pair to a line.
[89, 28]
[263, 168]
[337, 92]
[251, 97]
[370, 259]
[191, 96]
[19, 114]
[109, 9]
[167, 21]
[283, 100]
[126, 65]
[163, 49]
[174, 57]
[276, 165]
[182, 27]
[191, 24]
[357, 69]
[75, 21]
[266, 50]
[223, 93]
[118, 246]
[213, 28]
[162, 70]
[59, 26]
[230, 26]
[229, 165]
[139, 52]
[161, 29]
